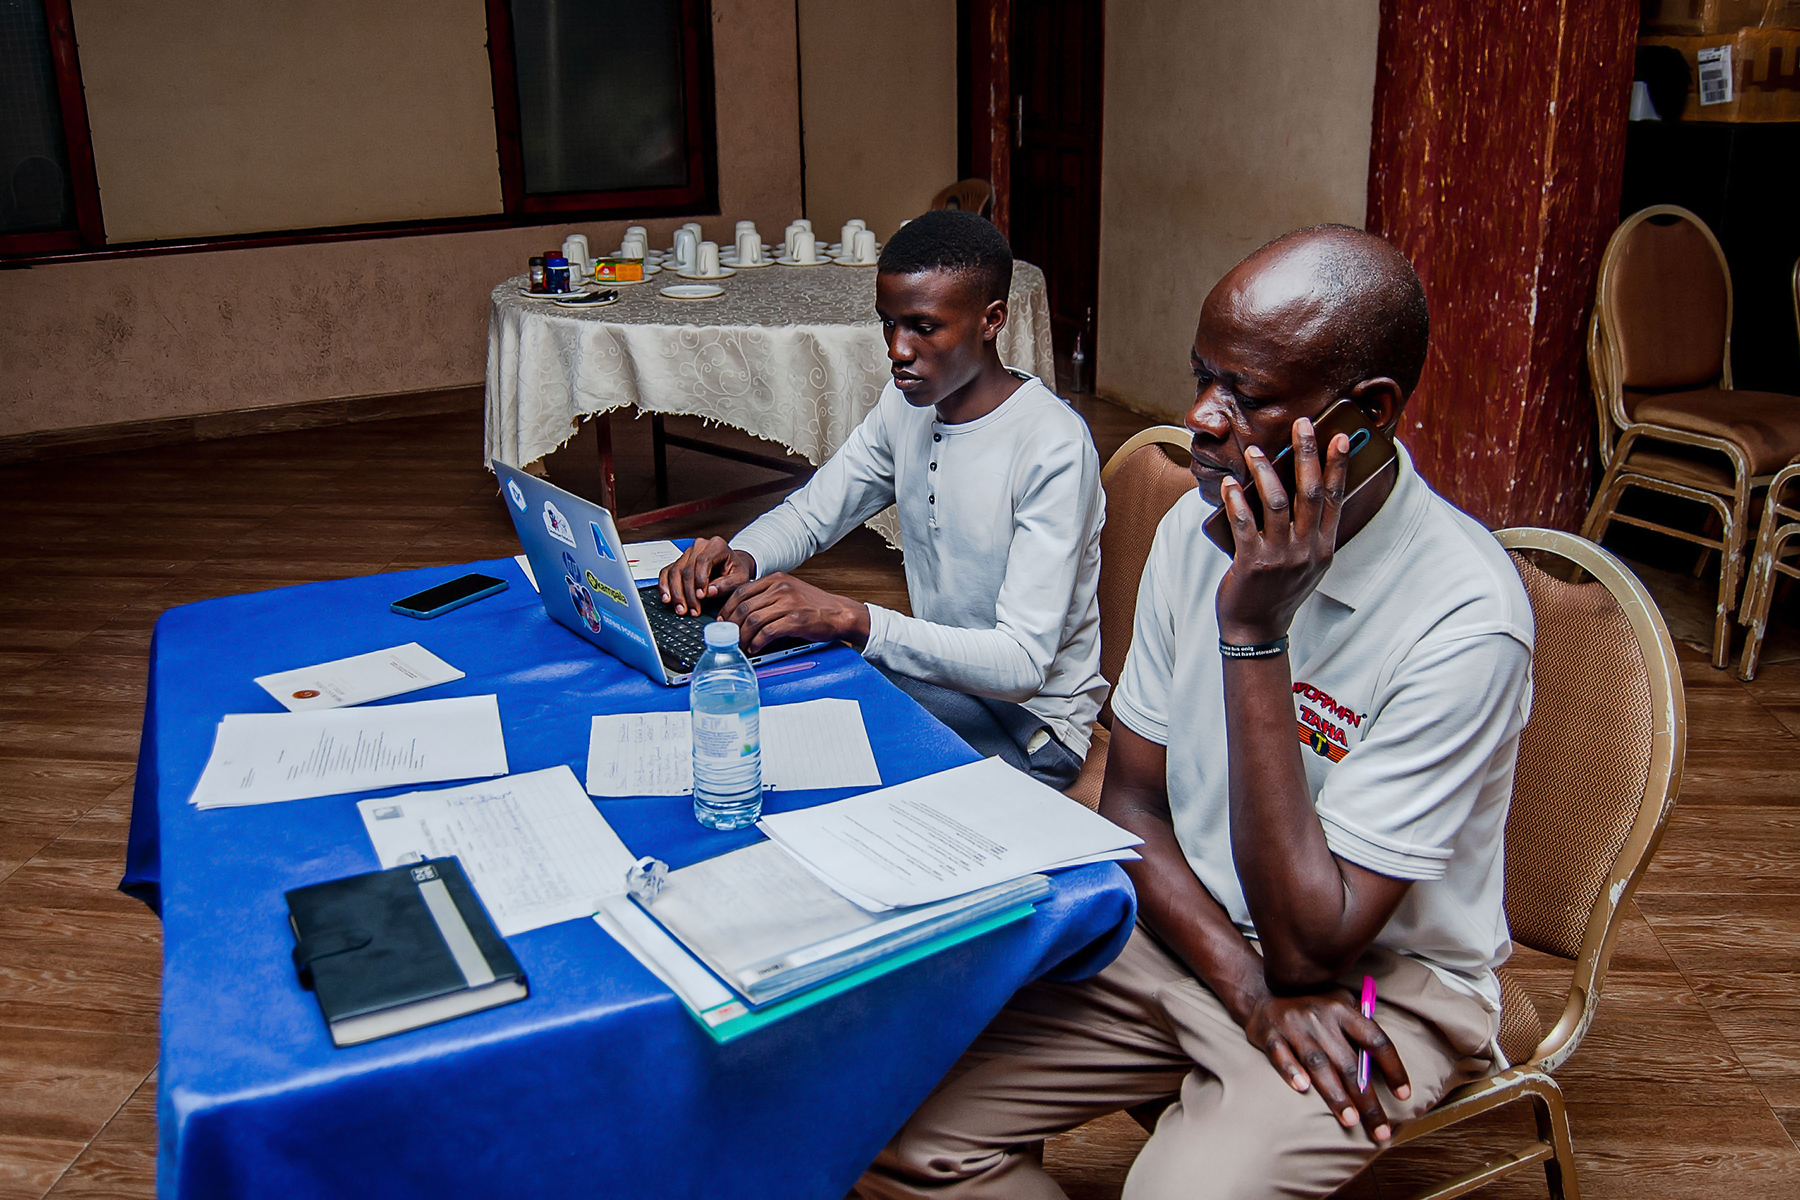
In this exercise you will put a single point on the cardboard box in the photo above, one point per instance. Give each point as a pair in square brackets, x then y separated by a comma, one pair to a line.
[1764, 74]
[1695, 17]
[616, 270]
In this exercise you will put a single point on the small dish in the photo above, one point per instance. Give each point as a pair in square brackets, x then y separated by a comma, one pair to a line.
[692, 291]
[724, 273]
[785, 261]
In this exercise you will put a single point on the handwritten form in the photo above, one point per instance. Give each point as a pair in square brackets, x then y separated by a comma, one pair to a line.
[812, 744]
[359, 679]
[534, 846]
[261, 758]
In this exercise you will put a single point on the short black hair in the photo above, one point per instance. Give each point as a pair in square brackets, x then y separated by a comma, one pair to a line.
[1380, 323]
[949, 239]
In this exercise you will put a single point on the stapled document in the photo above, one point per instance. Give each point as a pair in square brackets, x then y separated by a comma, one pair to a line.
[533, 845]
[813, 744]
[359, 679]
[261, 758]
[944, 835]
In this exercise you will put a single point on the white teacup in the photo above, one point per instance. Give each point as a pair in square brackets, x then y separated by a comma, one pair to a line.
[634, 246]
[686, 243]
[694, 228]
[636, 231]
[744, 227]
[806, 247]
[709, 260]
[847, 239]
[858, 222]
[802, 222]
[865, 246]
[575, 249]
[749, 247]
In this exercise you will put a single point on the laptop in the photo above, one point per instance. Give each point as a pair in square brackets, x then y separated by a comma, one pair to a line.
[586, 584]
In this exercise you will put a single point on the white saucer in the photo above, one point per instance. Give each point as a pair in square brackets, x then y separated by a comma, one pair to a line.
[743, 266]
[844, 261]
[785, 261]
[692, 291]
[724, 273]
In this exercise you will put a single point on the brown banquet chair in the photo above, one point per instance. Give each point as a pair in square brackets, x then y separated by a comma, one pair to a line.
[1659, 355]
[1599, 768]
[1142, 483]
[970, 195]
[1780, 525]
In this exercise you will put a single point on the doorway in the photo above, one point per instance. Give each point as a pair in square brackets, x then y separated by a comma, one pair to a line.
[1031, 98]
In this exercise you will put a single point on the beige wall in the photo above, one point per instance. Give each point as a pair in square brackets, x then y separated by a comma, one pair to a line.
[878, 86]
[215, 117]
[1227, 122]
[90, 343]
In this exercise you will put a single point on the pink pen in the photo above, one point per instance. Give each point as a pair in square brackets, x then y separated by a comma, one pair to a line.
[1368, 1010]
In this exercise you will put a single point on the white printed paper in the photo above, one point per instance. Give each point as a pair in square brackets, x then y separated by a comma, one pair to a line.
[943, 835]
[647, 559]
[812, 744]
[535, 848]
[359, 679]
[1714, 68]
[261, 758]
[530, 575]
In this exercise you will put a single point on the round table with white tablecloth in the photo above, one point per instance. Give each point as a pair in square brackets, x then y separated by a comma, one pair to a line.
[791, 354]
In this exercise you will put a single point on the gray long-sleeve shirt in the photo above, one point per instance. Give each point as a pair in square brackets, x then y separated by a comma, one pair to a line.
[1000, 525]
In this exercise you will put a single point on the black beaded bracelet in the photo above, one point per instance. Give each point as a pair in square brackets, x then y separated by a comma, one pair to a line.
[1255, 650]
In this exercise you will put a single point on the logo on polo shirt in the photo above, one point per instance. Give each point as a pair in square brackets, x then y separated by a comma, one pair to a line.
[1324, 724]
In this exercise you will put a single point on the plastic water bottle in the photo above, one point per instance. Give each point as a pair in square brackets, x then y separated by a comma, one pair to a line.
[727, 719]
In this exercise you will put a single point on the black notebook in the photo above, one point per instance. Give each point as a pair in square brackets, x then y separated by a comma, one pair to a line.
[394, 950]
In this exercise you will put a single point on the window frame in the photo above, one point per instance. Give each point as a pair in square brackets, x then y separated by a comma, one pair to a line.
[87, 242]
[78, 148]
[699, 195]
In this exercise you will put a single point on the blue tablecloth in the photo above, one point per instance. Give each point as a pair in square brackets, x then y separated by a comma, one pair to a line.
[599, 1084]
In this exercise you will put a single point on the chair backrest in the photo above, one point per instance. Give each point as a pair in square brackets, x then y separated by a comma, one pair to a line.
[970, 195]
[1662, 319]
[1599, 762]
[1142, 484]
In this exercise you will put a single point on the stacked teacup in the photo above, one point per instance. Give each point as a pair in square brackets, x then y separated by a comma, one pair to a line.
[706, 263]
[748, 252]
[802, 248]
[858, 248]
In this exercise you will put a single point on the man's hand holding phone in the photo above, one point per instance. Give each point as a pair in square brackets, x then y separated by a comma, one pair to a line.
[1275, 568]
[705, 571]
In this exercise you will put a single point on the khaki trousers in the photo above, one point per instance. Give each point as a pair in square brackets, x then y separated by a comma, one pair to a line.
[1061, 1054]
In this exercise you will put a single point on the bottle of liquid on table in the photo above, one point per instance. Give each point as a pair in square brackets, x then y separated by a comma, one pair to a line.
[727, 724]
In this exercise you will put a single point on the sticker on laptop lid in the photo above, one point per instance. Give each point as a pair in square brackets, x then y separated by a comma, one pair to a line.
[517, 493]
[557, 524]
[600, 545]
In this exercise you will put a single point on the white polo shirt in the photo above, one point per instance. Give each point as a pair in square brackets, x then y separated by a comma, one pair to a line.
[1412, 679]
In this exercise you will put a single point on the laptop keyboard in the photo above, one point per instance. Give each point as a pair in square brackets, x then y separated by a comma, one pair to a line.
[678, 637]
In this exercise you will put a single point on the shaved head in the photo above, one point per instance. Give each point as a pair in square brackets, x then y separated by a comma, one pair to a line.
[1350, 305]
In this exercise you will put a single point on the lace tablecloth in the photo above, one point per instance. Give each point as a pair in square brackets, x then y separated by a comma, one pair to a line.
[791, 354]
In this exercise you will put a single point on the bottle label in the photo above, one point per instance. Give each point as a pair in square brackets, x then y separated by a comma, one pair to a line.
[727, 735]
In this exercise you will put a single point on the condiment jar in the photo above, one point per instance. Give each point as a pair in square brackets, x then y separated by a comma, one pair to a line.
[539, 280]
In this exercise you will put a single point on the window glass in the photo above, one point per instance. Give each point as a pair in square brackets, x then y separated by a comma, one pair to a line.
[35, 193]
[600, 95]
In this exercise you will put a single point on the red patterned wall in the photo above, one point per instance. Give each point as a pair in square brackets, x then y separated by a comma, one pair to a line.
[1495, 164]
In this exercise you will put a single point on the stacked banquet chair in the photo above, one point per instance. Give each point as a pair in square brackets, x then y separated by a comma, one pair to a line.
[1778, 528]
[1659, 354]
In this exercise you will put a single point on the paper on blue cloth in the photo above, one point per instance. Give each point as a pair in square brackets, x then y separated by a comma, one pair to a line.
[600, 1073]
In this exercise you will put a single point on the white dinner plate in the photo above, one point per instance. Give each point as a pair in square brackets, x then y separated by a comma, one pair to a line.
[724, 273]
[692, 291]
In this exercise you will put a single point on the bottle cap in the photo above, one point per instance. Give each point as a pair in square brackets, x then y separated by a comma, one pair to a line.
[720, 634]
[535, 261]
[556, 260]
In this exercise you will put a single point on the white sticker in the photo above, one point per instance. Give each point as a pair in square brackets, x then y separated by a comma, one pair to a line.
[1715, 75]
[517, 493]
[557, 524]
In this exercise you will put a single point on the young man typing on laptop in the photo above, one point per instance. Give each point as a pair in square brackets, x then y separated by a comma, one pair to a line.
[998, 489]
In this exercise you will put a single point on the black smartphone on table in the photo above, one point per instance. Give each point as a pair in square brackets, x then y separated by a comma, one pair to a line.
[436, 601]
[1371, 452]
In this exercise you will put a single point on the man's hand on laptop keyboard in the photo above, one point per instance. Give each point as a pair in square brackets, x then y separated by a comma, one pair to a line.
[708, 568]
[779, 606]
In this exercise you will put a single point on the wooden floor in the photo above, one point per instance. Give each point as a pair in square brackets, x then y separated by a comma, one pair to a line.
[1681, 1090]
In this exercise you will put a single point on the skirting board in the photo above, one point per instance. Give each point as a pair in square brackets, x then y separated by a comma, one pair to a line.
[205, 427]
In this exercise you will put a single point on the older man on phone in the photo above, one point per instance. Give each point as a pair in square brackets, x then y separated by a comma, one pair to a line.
[1315, 738]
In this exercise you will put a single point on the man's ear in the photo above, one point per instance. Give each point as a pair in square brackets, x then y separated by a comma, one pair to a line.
[1381, 401]
[993, 320]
